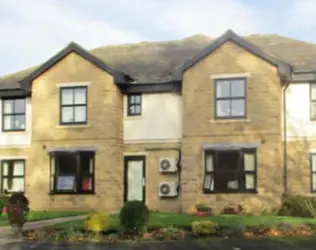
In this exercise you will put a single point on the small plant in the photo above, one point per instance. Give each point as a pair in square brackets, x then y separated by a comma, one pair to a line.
[97, 222]
[229, 210]
[17, 209]
[3, 203]
[204, 227]
[134, 217]
[298, 206]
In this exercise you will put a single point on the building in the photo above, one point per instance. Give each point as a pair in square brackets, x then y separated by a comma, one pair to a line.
[224, 122]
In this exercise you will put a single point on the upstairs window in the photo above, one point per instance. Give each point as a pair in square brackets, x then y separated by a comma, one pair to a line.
[230, 98]
[313, 101]
[134, 105]
[13, 114]
[73, 105]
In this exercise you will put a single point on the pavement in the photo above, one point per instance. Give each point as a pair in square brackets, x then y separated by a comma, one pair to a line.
[229, 244]
[202, 244]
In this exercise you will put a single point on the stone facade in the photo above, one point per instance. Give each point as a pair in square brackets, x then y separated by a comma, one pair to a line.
[104, 130]
[262, 125]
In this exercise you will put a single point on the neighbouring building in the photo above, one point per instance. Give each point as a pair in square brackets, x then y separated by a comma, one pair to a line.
[224, 122]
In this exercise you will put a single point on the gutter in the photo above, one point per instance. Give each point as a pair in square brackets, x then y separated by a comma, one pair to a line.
[285, 153]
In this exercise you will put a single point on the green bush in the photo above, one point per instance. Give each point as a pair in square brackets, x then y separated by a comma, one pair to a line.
[134, 217]
[298, 206]
[3, 201]
[204, 227]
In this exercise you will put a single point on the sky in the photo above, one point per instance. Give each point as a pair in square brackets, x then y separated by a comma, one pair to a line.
[32, 31]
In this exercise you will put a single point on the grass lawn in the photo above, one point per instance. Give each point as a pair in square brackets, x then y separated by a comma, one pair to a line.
[185, 220]
[43, 215]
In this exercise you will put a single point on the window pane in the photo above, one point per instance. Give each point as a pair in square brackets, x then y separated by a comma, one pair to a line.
[86, 184]
[66, 183]
[80, 114]
[226, 181]
[13, 184]
[8, 122]
[18, 168]
[313, 182]
[314, 162]
[5, 168]
[19, 106]
[238, 88]
[8, 106]
[209, 162]
[313, 109]
[249, 162]
[222, 88]
[137, 109]
[19, 121]
[67, 114]
[238, 108]
[228, 161]
[85, 164]
[137, 99]
[250, 181]
[80, 95]
[66, 96]
[67, 164]
[132, 109]
[313, 91]
[223, 108]
[209, 182]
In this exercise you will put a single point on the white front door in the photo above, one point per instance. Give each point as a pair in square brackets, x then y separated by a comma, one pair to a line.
[134, 178]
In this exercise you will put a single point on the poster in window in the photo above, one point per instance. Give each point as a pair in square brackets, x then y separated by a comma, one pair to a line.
[65, 183]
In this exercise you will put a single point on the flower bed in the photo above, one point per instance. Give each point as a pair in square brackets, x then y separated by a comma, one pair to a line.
[169, 233]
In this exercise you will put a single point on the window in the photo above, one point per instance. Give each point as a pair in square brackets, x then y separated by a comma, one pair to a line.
[313, 101]
[230, 98]
[313, 173]
[72, 172]
[134, 105]
[13, 114]
[230, 171]
[12, 176]
[73, 105]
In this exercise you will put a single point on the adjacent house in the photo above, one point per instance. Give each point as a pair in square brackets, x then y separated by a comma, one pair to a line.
[224, 122]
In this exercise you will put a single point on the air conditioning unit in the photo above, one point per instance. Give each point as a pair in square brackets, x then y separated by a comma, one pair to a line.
[168, 164]
[168, 189]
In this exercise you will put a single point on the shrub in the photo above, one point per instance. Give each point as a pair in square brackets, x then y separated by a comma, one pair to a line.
[203, 208]
[17, 209]
[298, 206]
[229, 210]
[134, 217]
[204, 227]
[98, 222]
[3, 201]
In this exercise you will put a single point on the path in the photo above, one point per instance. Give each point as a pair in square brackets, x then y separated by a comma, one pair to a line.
[5, 231]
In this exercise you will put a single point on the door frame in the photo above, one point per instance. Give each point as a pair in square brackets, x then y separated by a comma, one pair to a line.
[126, 160]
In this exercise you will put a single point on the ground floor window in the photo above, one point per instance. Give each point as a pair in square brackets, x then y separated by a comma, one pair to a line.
[72, 172]
[313, 173]
[12, 176]
[230, 171]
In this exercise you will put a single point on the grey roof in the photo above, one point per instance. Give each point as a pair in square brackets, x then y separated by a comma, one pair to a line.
[153, 62]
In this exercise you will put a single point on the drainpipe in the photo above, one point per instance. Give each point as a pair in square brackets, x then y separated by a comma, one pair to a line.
[285, 173]
[178, 162]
